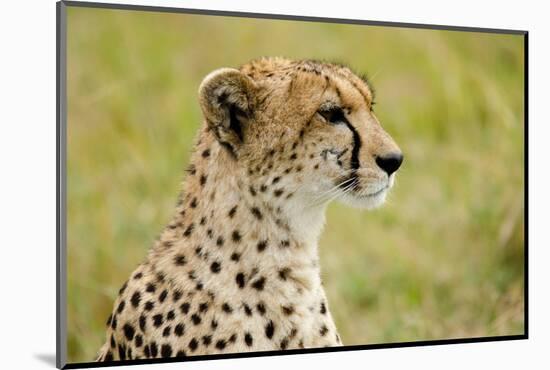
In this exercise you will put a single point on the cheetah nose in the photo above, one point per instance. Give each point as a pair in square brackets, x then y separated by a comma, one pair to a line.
[390, 162]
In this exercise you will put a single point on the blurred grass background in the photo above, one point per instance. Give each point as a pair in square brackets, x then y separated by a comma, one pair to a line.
[442, 259]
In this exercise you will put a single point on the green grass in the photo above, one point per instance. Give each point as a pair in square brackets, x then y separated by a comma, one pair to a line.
[442, 259]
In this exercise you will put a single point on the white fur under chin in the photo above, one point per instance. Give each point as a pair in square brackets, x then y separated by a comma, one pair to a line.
[308, 222]
[307, 214]
[364, 202]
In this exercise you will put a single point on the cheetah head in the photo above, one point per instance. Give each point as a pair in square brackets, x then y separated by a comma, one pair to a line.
[305, 127]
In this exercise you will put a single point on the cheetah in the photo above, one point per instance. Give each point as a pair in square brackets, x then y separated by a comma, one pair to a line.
[237, 267]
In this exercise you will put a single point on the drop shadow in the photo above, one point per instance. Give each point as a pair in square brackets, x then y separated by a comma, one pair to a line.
[47, 358]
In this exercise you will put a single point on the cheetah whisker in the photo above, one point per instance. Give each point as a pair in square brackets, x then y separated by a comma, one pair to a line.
[336, 187]
[338, 193]
[334, 192]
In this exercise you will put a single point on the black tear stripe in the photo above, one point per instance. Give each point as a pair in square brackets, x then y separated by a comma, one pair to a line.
[352, 179]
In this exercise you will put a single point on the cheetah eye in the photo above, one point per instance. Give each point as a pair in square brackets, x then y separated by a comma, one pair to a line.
[333, 115]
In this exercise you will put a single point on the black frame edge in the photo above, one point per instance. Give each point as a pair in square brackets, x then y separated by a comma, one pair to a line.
[526, 184]
[61, 145]
[295, 351]
[227, 13]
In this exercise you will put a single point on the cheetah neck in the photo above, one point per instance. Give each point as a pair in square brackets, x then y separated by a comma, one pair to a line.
[256, 225]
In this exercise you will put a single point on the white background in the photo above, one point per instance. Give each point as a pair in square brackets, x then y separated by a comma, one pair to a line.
[27, 193]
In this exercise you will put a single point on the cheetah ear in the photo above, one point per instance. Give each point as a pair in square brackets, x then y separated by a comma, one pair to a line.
[225, 99]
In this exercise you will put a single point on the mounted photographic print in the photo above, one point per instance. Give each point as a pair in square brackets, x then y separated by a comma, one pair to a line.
[236, 185]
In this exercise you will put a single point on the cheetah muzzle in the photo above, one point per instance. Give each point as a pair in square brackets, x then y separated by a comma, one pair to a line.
[236, 269]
